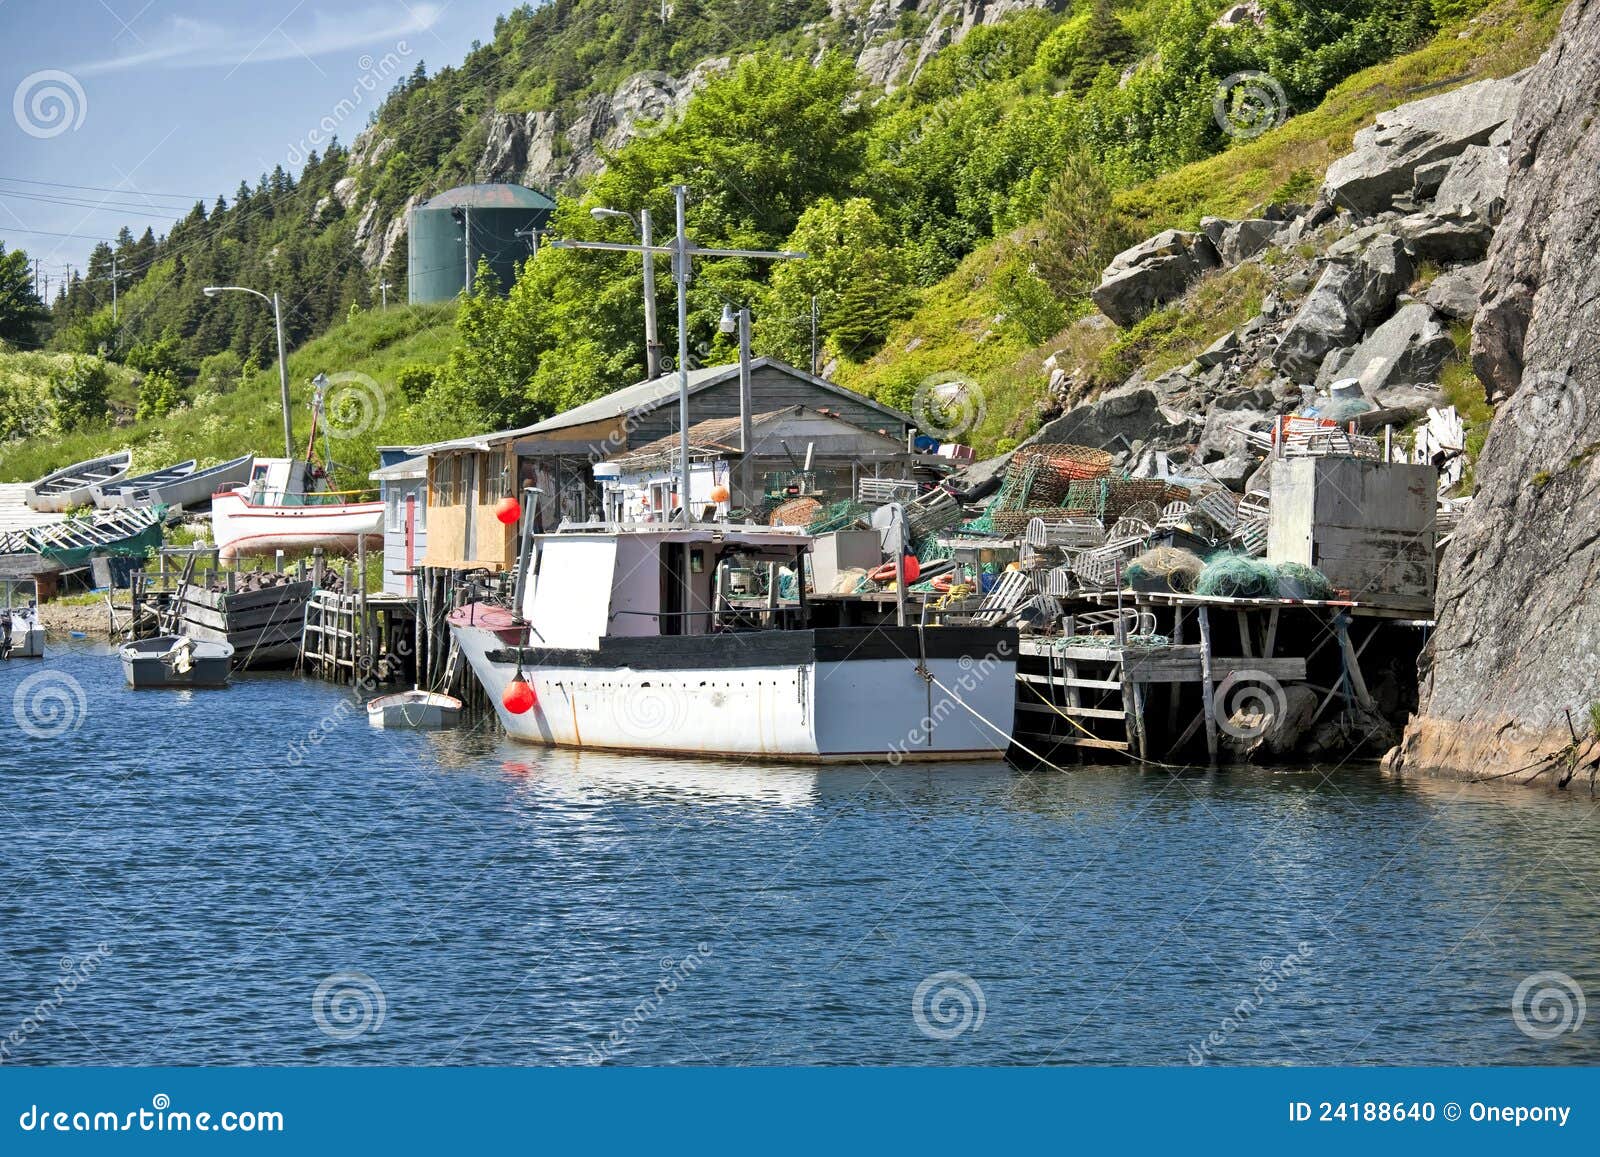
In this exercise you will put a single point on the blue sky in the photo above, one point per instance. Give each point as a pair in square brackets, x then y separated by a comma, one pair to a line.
[122, 104]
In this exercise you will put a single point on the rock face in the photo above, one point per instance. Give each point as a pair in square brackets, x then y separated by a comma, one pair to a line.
[1346, 297]
[1388, 154]
[1518, 639]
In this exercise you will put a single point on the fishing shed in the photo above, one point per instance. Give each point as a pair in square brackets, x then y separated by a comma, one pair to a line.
[402, 480]
[826, 453]
[466, 477]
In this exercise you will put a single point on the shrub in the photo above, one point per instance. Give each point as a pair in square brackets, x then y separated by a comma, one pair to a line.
[414, 380]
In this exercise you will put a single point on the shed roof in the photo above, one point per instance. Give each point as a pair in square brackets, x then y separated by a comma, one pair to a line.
[414, 467]
[645, 396]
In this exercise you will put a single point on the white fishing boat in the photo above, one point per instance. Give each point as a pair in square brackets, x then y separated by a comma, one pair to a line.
[21, 636]
[283, 506]
[120, 492]
[625, 642]
[416, 710]
[176, 661]
[72, 486]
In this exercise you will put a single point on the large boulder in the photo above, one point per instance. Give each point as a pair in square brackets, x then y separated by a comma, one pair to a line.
[1476, 183]
[1346, 299]
[1115, 421]
[1412, 346]
[1389, 152]
[1153, 271]
[1454, 292]
[1237, 241]
[1449, 233]
[1517, 646]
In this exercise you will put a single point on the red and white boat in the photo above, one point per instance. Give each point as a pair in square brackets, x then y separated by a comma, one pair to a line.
[284, 507]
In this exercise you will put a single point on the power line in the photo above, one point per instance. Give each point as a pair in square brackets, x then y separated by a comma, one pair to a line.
[48, 233]
[101, 188]
[98, 206]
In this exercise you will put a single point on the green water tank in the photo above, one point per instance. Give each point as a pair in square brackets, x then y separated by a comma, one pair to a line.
[500, 219]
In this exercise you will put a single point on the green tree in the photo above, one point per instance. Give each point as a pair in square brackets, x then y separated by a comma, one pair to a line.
[158, 395]
[78, 393]
[1027, 300]
[21, 311]
[855, 272]
[1079, 231]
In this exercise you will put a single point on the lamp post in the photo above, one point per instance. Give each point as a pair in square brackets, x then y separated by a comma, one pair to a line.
[739, 321]
[652, 345]
[283, 364]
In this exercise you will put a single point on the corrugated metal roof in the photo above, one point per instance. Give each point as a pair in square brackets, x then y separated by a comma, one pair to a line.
[489, 196]
[644, 397]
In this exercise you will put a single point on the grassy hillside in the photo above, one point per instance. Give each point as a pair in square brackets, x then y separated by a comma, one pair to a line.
[959, 324]
[216, 425]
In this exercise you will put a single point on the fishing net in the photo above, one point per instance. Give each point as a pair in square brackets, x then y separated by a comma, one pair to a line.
[1238, 576]
[1298, 581]
[838, 516]
[1178, 569]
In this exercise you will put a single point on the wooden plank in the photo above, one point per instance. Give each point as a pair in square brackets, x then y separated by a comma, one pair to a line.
[1207, 689]
[1069, 681]
[1083, 712]
[1285, 670]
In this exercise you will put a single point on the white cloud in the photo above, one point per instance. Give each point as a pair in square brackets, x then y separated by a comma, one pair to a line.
[187, 43]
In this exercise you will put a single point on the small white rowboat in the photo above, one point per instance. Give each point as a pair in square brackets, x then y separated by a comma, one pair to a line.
[416, 710]
[71, 486]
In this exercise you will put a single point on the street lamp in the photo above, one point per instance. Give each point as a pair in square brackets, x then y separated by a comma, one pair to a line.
[652, 347]
[283, 364]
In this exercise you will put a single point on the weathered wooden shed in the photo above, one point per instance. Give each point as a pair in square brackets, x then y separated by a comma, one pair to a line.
[468, 476]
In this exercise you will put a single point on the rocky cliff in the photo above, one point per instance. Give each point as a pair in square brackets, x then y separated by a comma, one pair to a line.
[1518, 642]
[890, 40]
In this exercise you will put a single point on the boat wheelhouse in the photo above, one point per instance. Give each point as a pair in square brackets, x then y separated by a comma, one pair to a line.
[283, 506]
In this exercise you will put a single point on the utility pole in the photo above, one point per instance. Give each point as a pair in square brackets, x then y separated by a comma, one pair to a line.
[813, 334]
[113, 279]
[532, 234]
[383, 288]
[464, 215]
[652, 343]
[682, 252]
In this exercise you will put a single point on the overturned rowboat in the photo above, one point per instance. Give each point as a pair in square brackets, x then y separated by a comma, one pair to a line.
[176, 661]
[121, 492]
[183, 490]
[72, 486]
[416, 710]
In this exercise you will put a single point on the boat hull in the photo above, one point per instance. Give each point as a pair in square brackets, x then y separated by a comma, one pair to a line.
[26, 637]
[132, 491]
[802, 696]
[242, 529]
[413, 713]
[73, 486]
[143, 665]
[188, 491]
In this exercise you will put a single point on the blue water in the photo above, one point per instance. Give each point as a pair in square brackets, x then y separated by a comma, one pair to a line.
[462, 899]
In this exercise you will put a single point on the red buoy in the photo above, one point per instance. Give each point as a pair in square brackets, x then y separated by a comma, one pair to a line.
[912, 568]
[508, 510]
[519, 697]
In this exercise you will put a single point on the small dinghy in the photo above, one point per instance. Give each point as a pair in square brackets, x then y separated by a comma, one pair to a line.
[21, 636]
[129, 491]
[176, 661]
[416, 710]
[71, 486]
